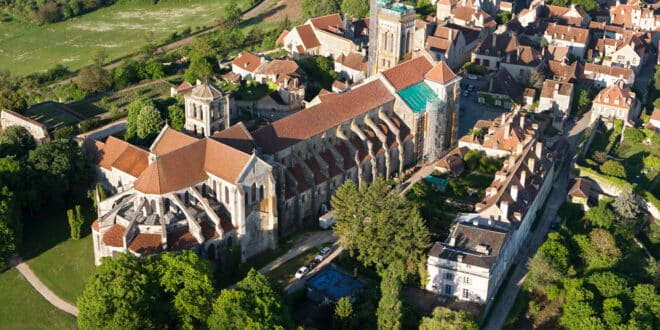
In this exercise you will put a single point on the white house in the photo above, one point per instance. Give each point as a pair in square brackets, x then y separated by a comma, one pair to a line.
[576, 39]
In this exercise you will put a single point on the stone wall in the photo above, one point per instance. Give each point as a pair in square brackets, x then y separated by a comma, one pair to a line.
[35, 128]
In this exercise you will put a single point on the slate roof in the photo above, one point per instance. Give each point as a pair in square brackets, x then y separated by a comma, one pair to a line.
[467, 239]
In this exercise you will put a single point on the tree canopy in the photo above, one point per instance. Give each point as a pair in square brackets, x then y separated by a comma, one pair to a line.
[94, 79]
[16, 140]
[355, 8]
[601, 215]
[445, 318]
[12, 100]
[390, 307]
[379, 226]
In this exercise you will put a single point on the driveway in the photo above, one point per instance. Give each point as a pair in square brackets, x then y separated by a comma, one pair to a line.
[300, 283]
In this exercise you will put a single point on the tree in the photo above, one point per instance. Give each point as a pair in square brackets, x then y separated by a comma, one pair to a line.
[600, 156]
[471, 159]
[343, 314]
[503, 17]
[63, 133]
[445, 318]
[476, 133]
[587, 5]
[200, 68]
[633, 135]
[549, 265]
[578, 313]
[390, 309]
[582, 100]
[647, 306]
[626, 204]
[7, 244]
[355, 8]
[256, 304]
[378, 226]
[122, 295]
[544, 43]
[601, 216]
[613, 168]
[186, 279]
[94, 79]
[652, 162]
[99, 57]
[149, 123]
[75, 221]
[12, 100]
[315, 8]
[176, 117]
[599, 251]
[608, 284]
[231, 16]
[16, 140]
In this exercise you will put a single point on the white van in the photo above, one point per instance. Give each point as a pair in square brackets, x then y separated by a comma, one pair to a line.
[327, 220]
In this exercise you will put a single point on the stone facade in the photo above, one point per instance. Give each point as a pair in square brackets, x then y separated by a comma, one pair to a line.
[38, 130]
[207, 110]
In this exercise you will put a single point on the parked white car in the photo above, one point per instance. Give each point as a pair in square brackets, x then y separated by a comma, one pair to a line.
[302, 272]
[473, 77]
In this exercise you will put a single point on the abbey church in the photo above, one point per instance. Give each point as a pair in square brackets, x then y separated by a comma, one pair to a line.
[221, 185]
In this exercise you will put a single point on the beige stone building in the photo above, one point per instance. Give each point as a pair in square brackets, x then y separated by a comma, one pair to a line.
[576, 39]
[617, 101]
[556, 98]
[38, 130]
[184, 193]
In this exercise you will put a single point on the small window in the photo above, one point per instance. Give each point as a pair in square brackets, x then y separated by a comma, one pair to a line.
[448, 290]
[227, 195]
[467, 280]
[466, 293]
[449, 276]
[261, 192]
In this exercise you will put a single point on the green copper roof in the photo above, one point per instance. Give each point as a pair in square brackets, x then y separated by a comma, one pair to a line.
[417, 95]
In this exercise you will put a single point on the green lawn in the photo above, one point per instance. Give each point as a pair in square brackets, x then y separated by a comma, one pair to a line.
[120, 29]
[24, 308]
[62, 264]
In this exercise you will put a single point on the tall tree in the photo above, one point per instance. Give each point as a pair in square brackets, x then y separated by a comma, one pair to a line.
[231, 16]
[256, 304]
[12, 100]
[94, 79]
[7, 234]
[186, 279]
[445, 318]
[343, 316]
[626, 204]
[122, 295]
[390, 308]
[599, 251]
[16, 140]
[75, 221]
[379, 226]
[355, 8]
[176, 117]
[601, 215]
[149, 123]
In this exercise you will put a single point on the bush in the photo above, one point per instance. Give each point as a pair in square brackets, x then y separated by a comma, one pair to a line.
[90, 124]
[63, 133]
[634, 135]
[651, 161]
[613, 168]
[472, 159]
[489, 165]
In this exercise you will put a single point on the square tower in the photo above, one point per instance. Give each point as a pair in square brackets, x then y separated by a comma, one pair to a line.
[391, 41]
[206, 110]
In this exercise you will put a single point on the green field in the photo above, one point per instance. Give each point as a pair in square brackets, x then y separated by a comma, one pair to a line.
[24, 308]
[120, 29]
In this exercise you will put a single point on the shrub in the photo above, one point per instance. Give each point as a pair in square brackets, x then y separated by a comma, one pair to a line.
[472, 159]
[613, 168]
[651, 161]
[90, 124]
[633, 135]
[600, 156]
[63, 133]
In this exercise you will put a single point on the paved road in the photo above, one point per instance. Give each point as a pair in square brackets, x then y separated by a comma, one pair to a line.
[500, 311]
[43, 290]
[297, 284]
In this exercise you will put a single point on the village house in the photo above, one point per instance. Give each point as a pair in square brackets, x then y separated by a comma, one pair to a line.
[654, 121]
[563, 71]
[453, 44]
[353, 66]
[603, 75]
[635, 16]
[576, 39]
[574, 15]
[493, 49]
[501, 91]
[472, 263]
[501, 136]
[246, 64]
[183, 193]
[465, 13]
[290, 81]
[628, 52]
[616, 101]
[580, 192]
[38, 130]
[556, 98]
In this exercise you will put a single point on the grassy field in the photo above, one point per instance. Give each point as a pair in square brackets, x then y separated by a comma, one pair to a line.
[24, 308]
[62, 264]
[120, 29]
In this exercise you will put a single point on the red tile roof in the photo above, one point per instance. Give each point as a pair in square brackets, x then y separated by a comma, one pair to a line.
[307, 36]
[146, 244]
[354, 61]
[305, 124]
[208, 230]
[181, 240]
[330, 23]
[616, 93]
[280, 39]
[236, 137]
[440, 73]
[581, 188]
[114, 236]
[408, 73]
[170, 140]
[124, 157]
[247, 61]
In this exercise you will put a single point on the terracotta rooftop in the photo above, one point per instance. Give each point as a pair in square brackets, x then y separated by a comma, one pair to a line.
[114, 236]
[123, 156]
[146, 244]
[617, 95]
[355, 61]
[180, 240]
[564, 70]
[307, 36]
[170, 140]
[208, 230]
[503, 44]
[581, 188]
[331, 23]
[614, 71]
[567, 33]
[236, 137]
[408, 73]
[184, 87]
[550, 87]
[440, 73]
[247, 61]
[280, 39]
[305, 124]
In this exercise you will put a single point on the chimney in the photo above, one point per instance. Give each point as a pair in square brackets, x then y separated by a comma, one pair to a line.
[451, 34]
[504, 208]
[507, 130]
[198, 82]
[556, 88]
[519, 148]
[538, 148]
[514, 192]
[452, 240]
[518, 53]
[459, 258]
[503, 119]
[522, 178]
[494, 40]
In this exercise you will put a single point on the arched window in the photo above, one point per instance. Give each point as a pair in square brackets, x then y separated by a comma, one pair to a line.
[153, 206]
[261, 192]
[253, 192]
[246, 199]
[227, 195]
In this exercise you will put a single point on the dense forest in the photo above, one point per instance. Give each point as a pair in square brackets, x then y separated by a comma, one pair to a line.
[49, 11]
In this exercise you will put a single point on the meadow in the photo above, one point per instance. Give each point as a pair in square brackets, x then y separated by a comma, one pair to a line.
[121, 29]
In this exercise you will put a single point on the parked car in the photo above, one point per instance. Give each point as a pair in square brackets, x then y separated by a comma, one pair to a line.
[302, 272]
[465, 93]
[312, 264]
[325, 251]
[473, 77]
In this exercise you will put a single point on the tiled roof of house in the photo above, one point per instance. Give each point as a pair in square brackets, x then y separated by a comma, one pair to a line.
[440, 73]
[557, 53]
[524, 55]
[208, 230]
[280, 39]
[169, 140]
[550, 87]
[307, 36]
[616, 95]
[181, 240]
[614, 71]
[567, 33]
[408, 73]
[470, 34]
[237, 137]
[622, 15]
[656, 114]
[247, 61]
[476, 245]
[321, 117]
[581, 188]
[564, 70]
[355, 61]
[503, 44]
[224, 161]
[184, 87]
[279, 67]
[124, 157]
[502, 83]
[146, 244]
[438, 44]
[114, 236]
[330, 23]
